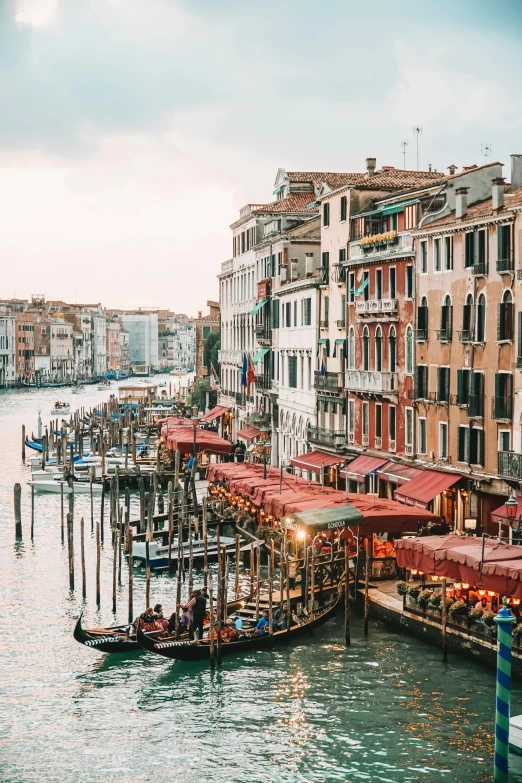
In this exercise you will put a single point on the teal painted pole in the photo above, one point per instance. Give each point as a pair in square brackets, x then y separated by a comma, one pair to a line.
[504, 621]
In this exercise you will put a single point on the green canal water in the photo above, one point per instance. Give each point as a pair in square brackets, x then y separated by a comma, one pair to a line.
[385, 709]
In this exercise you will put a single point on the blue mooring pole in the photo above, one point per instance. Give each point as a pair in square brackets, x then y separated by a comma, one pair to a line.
[504, 621]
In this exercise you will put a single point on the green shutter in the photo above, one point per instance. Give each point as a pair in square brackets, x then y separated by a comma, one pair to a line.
[500, 243]
[460, 387]
[500, 322]
[519, 351]
[446, 384]
[460, 449]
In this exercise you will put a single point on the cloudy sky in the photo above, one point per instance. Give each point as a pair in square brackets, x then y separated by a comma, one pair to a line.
[131, 131]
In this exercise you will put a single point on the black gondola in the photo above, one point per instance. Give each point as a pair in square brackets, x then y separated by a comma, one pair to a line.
[183, 650]
[122, 638]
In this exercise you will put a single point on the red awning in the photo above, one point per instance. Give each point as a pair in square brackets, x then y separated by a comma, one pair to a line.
[249, 433]
[361, 466]
[314, 461]
[182, 439]
[398, 474]
[215, 413]
[420, 490]
[501, 513]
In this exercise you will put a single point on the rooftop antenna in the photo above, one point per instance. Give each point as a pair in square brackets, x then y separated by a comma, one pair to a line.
[417, 129]
[404, 145]
[485, 149]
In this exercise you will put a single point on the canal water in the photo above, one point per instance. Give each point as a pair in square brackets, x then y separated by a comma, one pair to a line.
[385, 709]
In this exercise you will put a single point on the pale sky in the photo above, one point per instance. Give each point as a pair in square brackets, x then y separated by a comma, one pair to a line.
[132, 131]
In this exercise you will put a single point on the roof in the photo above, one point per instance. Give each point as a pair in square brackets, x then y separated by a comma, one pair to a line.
[311, 229]
[402, 178]
[295, 202]
[420, 490]
[478, 211]
[362, 466]
[332, 179]
[315, 460]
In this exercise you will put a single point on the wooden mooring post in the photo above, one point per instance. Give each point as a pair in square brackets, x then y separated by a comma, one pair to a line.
[444, 620]
[131, 574]
[98, 562]
[23, 442]
[347, 594]
[205, 542]
[32, 513]
[211, 625]
[366, 589]
[82, 552]
[18, 510]
[70, 549]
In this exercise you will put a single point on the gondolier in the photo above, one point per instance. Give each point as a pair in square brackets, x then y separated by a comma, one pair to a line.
[197, 606]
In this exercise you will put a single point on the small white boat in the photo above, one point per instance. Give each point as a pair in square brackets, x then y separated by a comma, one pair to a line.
[103, 386]
[78, 389]
[60, 408]
[159, 555]
[55, 483]
[515, 734]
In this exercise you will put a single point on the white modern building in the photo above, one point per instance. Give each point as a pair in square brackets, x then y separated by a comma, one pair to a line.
[143, 338]
[99, 344]
[7, 350]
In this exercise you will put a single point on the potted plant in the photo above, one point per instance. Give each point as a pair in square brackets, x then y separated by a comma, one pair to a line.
[458, 611]
[488, 618]
[402, 588]
[414, 591]
[424, 597]
[476, 614]
[435, 600]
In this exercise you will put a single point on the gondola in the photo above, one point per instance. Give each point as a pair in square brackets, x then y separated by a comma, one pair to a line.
[122, 638]
[32, 445]
[184, 650]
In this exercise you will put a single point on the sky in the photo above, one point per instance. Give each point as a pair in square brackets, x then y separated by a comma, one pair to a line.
[132, 131]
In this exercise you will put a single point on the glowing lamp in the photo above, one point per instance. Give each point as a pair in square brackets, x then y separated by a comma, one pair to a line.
[482, 593]
[301, 535]
[511, 507]
[516, 601]
[491, 593]
[465, 586]
[457, 585]
[413, 571]
[434, 578]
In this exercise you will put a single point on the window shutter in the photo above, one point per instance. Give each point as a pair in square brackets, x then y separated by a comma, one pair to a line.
[509, 387]
[439, 383]
[500, 243]
[480, 447]
[449, 325]
[500, 318]
[498, 385]
[461, 446]
[446, 377]
[519, 351]
[508, 331]
[460, 387]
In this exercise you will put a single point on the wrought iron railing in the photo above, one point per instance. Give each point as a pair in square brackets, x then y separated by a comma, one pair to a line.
[509, 464]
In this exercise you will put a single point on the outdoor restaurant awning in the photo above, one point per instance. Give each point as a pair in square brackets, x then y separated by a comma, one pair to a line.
[419, 491]
[182, 439]
[326, 518]
[398, 474]
[249, 433]
[258, 306]
[501, 513]
[315, 460]
[259, 354]
[215, 413]
[362, 466]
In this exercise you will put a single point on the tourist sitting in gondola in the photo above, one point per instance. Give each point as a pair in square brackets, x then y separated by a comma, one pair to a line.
[229, 632]
[147, 621]
[158, 613]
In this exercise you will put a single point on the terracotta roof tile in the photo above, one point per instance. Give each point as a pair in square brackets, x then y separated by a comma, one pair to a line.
[296, 202]
[332, 179]
[401, 178]
[482, 209]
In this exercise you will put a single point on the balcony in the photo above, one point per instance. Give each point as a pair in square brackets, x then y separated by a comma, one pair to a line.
[509, 465]
[339, 273]
[324, 275]
[263, 334]
[227, 266]
[502, 408]
[421, 335]
[323, 324]
[376, 306]
[505, 265]
[402, 244]
[264, 382]
[480, 270]
[476, 406]
[341, 324]
[322, 437]
[332, 381]
[444, 335]
[371, 382]
[230, 357]
[465, 335]
[244, 307]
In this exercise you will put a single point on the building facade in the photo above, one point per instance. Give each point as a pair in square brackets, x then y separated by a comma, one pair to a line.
[204, 325]
[7, 350]
[113, 345]
[142, 327]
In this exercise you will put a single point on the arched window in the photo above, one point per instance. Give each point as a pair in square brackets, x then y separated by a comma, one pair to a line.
[446, 320]
[467, 320]
[422, 319]
[505, 317]
[481, 319]
[392, 349]
[366, 349]
[409, 350]
[378, 349]
[351, 349]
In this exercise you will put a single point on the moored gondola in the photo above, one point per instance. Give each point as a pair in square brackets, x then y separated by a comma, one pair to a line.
[122, 638]
[184, 650]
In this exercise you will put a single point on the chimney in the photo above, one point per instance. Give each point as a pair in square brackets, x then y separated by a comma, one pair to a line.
[497, 193]
[452, 169]
[461, 202]
[516, 171]
[370, 166]
[429, 167]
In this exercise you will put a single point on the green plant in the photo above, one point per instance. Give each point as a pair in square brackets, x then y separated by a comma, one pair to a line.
[435, 600]
[476, 614]
[402, 588]
[517, 633]
[488, 617]
[458, 610]
[424, 597]
[414, 591]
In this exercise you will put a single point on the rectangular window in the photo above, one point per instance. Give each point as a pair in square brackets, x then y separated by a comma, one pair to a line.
[366, 292]
[392, 421]
[326, 308]
[351, 416]
[437, 267]
[292, 372]
[378, 420]
[504, 440]
[469, 250]
[463, 380]
[422, 436]
[476, 395]
[410, 217]
[443, 440]
[476, 447]
[393, 283]
[344, 208]
[482, 250]
[503, 401]
[421, 382]
[307, 312]
[409, 281]
[275, 314]
[279, 262]
[342, 255]
[424, 257]
[504, 259]
[505, 319]
[288, 321]
[463, 443]
[326, 214]
[409, 426]
[443, 384]
[378, 284]
[365, 418]
[343, 307]
[351, 286]
[448, 253]
[295, 313]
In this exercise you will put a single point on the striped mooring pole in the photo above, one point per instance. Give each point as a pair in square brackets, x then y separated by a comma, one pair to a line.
[504, 621]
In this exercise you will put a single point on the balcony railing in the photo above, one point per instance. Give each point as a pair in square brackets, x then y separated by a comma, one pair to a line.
[229, 356]
[480, 270]
[332, 381]
[339, 273]
[444, 335]
[370, 381]
[505, 265]
[323, 324]
[324, 275]
[376, 306]
[341, 324]
[502, 408]
[509, 464]
[264, 382]
[476, 406]
[421, 335]
[466, 335]
[323, 437]
[263, 333]
[402, 244]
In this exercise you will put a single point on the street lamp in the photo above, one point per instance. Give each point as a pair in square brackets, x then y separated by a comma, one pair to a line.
[195, 420]
[265, 447]
[511, 512]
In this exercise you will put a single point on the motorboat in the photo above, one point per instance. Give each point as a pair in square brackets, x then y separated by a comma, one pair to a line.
[54, 483]
[60, 408]
[78, 389]
[159, 553]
